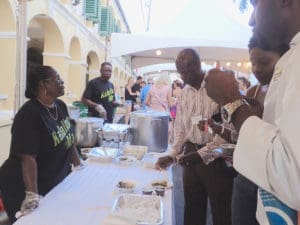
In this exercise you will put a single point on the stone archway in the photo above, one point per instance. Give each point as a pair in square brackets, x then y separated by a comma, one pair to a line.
[76, 73]
[75, 49]
[45, 35]
[93, 66]
[8, 55]
[8, 20]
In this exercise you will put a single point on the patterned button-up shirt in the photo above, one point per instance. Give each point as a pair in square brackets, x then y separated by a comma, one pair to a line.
[192, 103]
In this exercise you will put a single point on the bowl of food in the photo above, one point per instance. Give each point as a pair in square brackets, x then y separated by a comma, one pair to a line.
[161, 183]
[148, 190]
[126, 160]
[126, 186]
[160, 190]
[138, 151]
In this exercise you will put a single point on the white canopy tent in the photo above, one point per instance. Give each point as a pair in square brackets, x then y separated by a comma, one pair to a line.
[143, 48]
[214, 28]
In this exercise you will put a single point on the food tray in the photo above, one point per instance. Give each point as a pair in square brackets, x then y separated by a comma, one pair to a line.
[113, 131]
[145, 209]
[102, 154]
[138, 151]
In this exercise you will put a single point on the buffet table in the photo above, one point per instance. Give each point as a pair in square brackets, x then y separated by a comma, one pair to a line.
[87, 196]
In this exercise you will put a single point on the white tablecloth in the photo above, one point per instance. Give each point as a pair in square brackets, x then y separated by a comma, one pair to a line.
[86, 196]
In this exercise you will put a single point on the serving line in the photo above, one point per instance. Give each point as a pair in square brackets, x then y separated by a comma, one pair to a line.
[87, 196]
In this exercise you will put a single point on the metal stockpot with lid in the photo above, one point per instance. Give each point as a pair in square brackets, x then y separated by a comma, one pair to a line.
[150, 128]
[85, 131]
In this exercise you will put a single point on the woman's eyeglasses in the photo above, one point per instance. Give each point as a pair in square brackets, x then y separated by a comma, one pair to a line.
[57, 79]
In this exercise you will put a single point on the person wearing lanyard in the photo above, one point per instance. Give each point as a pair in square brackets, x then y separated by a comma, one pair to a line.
[199, 181]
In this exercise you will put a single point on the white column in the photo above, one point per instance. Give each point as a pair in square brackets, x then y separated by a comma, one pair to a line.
[21, 55]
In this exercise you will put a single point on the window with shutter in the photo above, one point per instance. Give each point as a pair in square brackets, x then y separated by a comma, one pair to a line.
[104, 22]
[111, 20]
[92, 10]
[118, 28]
[112, 25]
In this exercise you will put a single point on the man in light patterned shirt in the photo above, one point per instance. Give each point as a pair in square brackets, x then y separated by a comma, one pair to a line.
[199, 180]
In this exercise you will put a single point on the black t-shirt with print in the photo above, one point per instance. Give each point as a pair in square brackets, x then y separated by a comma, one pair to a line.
[46, 134]
[101, 92]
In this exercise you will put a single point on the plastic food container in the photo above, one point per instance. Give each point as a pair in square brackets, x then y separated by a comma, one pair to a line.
[138, 151]
[102, 154]
[148, 191]
[144, 209]
[160, 190]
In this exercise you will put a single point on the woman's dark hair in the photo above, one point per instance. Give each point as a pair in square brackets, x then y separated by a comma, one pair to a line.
[281, 49]
[35, 74]
[34, 56]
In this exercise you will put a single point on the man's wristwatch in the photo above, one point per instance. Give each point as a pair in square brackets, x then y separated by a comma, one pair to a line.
[228, 109]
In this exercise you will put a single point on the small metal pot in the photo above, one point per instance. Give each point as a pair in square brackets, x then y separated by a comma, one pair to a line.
[85, 131]
[113, 132]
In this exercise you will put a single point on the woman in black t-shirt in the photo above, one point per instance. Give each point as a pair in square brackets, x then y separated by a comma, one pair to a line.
[42, 145]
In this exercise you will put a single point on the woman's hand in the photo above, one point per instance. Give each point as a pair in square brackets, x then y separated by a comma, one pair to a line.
[78, 167]
[30, 203]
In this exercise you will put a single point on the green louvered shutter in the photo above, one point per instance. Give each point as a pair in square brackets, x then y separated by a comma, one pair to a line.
[110, 20]
[104, 22]
[112, 25]
[92, 10]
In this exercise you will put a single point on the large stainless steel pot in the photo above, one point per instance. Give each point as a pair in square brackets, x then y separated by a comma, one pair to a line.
[85, 131]
[150, 128]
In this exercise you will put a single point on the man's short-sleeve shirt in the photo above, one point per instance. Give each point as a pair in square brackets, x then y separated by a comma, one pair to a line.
[101, 92]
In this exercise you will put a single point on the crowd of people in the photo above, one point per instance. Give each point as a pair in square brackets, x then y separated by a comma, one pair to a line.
[256, 184]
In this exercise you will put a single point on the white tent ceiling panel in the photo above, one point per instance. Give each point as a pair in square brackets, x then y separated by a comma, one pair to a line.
[142, 48]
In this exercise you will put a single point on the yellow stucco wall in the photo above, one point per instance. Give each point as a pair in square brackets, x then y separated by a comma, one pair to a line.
[59, 32]
[5, 137]
[7, 75]
[67, 42]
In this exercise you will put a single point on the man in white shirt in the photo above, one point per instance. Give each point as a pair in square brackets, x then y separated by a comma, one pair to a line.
[199, 180]
[271, 142]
